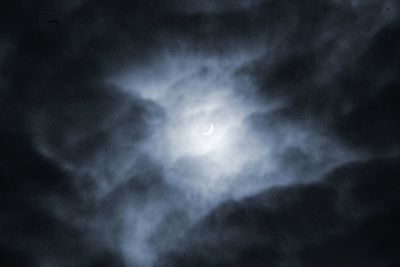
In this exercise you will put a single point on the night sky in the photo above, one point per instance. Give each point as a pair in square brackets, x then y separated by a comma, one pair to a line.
[223, 133]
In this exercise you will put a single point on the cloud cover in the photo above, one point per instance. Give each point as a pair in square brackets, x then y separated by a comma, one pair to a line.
[97, 168]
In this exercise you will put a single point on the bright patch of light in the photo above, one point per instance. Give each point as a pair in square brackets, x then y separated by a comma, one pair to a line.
[185, 130]
[207, 131]
[203, 142]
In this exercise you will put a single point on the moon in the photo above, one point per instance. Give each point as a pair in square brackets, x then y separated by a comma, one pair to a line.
[209, 131]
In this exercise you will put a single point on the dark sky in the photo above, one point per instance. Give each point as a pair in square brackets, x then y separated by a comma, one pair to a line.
[200, 133]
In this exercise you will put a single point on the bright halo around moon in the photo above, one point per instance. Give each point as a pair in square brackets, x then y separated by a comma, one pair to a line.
[204, 124]
[204, 141]
[197, 136]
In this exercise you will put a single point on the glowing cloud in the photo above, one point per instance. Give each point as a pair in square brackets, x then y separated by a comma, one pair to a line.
[204, 141]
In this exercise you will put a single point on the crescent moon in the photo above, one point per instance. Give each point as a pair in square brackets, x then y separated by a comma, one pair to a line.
[210, 131]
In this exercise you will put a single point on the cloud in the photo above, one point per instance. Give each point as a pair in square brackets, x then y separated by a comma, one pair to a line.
[346, 219]
[103, 162]
[330, 76]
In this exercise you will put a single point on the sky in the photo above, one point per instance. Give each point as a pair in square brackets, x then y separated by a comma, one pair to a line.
[199, 133]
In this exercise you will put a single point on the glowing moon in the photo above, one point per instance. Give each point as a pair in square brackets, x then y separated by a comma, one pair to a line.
[209, 131]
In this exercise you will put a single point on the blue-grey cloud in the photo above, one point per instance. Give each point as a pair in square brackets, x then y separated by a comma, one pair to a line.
[126, 127]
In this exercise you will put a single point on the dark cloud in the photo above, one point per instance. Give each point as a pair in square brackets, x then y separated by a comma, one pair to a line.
[373, 115]
[347, 219]
[59, 119]
[340, 72]
[31, 234]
